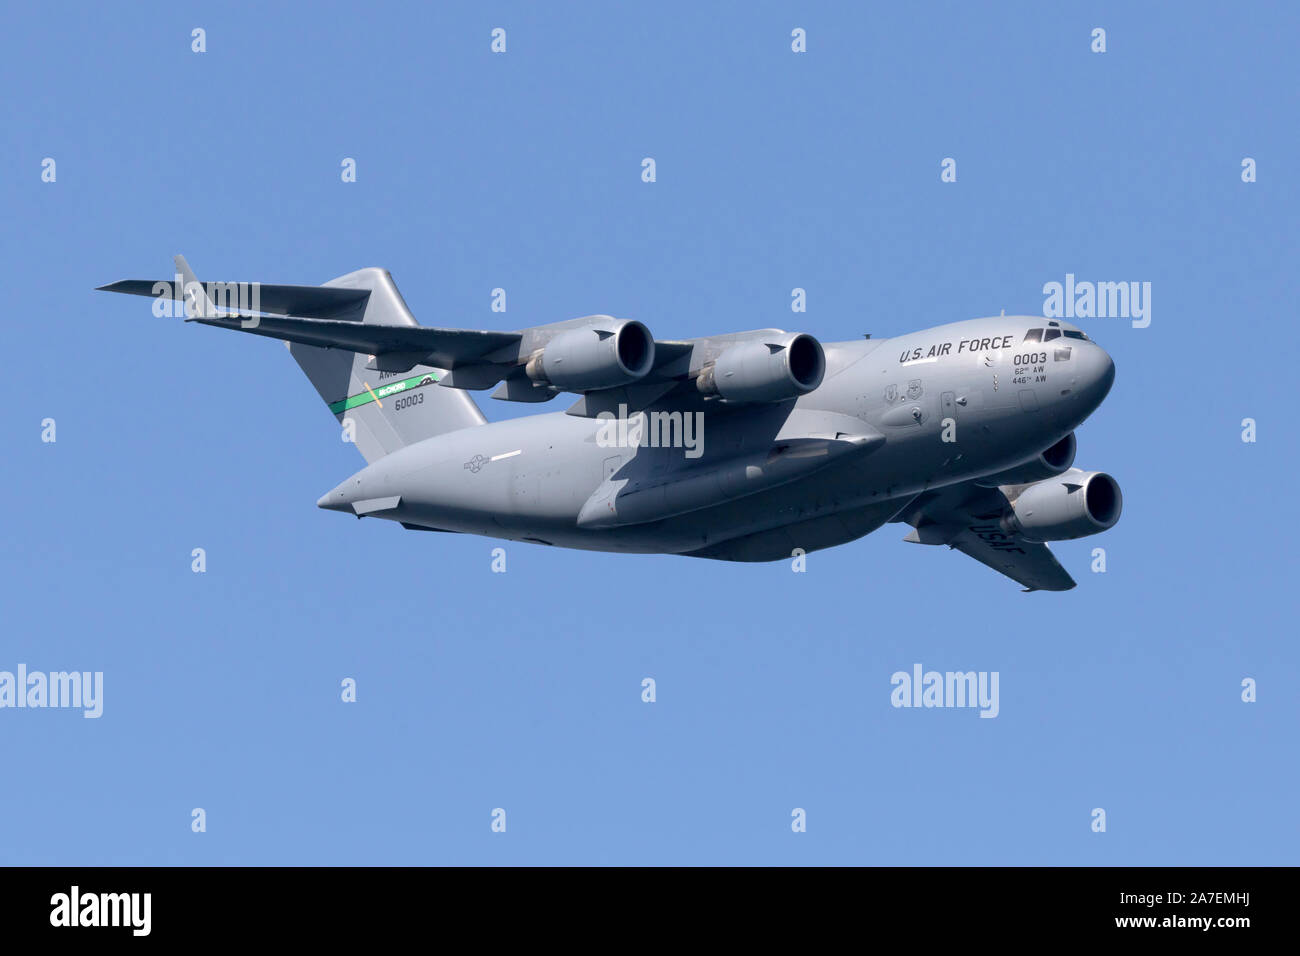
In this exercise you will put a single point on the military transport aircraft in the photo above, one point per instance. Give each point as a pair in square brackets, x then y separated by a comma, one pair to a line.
[747, 446]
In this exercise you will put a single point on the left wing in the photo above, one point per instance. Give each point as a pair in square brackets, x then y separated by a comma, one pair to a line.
[967, 517]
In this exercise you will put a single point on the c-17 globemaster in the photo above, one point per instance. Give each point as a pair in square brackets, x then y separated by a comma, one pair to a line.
[750, 446]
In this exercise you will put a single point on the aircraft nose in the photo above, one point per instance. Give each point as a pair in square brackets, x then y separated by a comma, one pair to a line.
[1106, 376]
[1099, 375]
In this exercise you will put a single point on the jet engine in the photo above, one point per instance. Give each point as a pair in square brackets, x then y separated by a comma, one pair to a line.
[1047, 464]
[771, 369]
[601, 355]
[1072, 505]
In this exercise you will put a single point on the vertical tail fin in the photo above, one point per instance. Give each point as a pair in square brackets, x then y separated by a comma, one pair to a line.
[382, 411]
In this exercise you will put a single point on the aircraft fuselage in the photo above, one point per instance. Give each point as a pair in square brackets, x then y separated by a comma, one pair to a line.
[891, 419]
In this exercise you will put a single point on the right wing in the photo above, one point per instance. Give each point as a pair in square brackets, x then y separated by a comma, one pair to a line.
[322, 316]
[338, 316]
[967, 517]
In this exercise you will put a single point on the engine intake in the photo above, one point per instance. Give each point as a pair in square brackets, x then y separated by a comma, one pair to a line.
[771, 370]
[1072, 505]
[596, 356]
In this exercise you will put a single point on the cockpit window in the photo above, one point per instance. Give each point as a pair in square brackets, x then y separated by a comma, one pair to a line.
[1052, 334]
[1071, 334]
[1034, 335]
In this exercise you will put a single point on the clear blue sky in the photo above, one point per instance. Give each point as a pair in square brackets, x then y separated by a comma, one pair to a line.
[522, 691]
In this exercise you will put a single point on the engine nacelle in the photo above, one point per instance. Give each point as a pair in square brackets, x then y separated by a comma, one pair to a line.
[1072, 505]
[772, 369]
[601, 355]
[1047, 464]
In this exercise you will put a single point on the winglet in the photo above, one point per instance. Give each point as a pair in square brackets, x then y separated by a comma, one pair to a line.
[197, 303]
